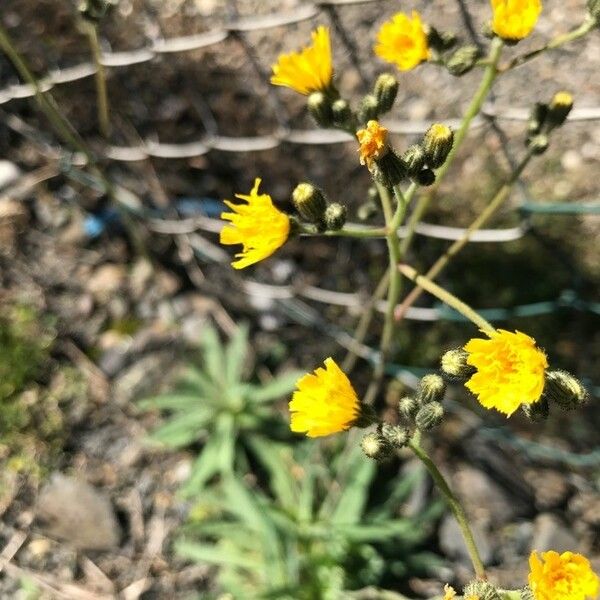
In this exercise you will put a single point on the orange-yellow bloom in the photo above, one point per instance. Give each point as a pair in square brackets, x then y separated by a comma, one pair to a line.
[449, 592]
[402, 41]
[566, 576]
[372, 142]
[324, 403]
[257, 225]
[510, 370]
[309, 70]
[515, 19]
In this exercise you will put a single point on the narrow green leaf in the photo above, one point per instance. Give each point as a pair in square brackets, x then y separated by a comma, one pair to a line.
[214, 355]
[181, 430]
[281, 386]
[236, 354]
[213, 554]
[205, 466]
[173, 402]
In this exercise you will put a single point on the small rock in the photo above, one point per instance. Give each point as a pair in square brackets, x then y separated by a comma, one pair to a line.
[550, 487]
[105, 281]
[549, 533]
[73, 510]
[9, 173]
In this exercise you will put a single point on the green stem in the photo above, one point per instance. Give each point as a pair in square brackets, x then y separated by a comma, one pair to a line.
[500, 197]
[101, 92]
[349, 230]
[489, 76]
[453, 503]
[448, 298]
[560, 40]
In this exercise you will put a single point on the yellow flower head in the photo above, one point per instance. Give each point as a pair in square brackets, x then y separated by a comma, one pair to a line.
[402, 41]
[372, 142]
[324, 403]
[449, 592]
[309, 70]
[566, 576]
[510, 370]
[515, 19]
[257, 225]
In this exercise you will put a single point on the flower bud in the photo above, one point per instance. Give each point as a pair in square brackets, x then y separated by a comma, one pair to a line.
[559, 108]
[526, 593]
[375, 446]
[396, 436]
[94, 10]
[482, 590]
[537, 411]
[369, 109]
[389, 170]
[454, 366]
[437, 143]
[593, 7]
[565, 390]
[439, 41]
[537, 118]
[414, 160]
[309, 202]
[538, 143]
[426, 177]
[342, 114]
[430, 415]
[335, 216]
[463, 60]
[319, 106]
[431, 389]
[385, 92]
[408, 407]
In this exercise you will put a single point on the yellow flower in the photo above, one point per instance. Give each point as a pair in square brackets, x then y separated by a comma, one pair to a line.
[372, 142]
[449, 592]
[510, 370]
[257, 225]
[515, 19]
[309, 70]
[402, 41]
[566, 576]
[324, 403]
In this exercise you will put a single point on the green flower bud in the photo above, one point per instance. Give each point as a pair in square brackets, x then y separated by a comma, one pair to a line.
[414, 160]
[463, 60]
[408, 407]
[369, 109]
[426, 177]
[527, 594]
[385, 92]
[437, 143]
[537, 411]
[430, 415]
[559, 108]
[375, 446]
[565, 390]
[342, 113]
[319, 106]
[454, 366]
[309, 202]
[395, 435]
[439, 41]
[94, 10]
[537, 118]
[335, 216]
[431, 389]
[482, 590]
[538, 143]
[389, 170]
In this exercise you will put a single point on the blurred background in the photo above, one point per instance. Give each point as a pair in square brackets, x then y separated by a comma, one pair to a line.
[144, 383]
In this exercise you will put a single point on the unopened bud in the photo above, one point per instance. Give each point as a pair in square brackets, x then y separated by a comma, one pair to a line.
[342, 114]
[408, 407]
[319, 106]
[309, 202]
[463, 60]
[369, 109]
[335, 216]
[395, 435]
[565, 390]
[538, 143]
[385, 92]
[430, 415]
[425, 177]
[526, 593]
[94, 10]
[431, 389]
[559, 108]
[482, 590]
[439, 41]
[437, 144]
[389, 170]
[537, 411]
[454, 365]
[537, 118]
[414, 160]
[375, 446]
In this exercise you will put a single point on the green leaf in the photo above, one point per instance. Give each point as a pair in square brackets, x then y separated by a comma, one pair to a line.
[213, 554]
[214, 356]
[205, 466]
[281, 386]
[182, 430]
[173, 402]
[197, 381]
[228, 436]
[236, 354]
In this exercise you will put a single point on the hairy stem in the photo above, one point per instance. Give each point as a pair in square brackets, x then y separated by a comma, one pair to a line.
[101, 92]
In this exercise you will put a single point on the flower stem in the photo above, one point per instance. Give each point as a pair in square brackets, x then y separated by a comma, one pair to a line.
[349, 230]
[101, 93]
[446, 297]
[472, 111]
[453, 503]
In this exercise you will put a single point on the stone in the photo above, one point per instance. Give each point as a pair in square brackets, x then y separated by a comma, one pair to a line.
[549, 533]
[453, 545]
